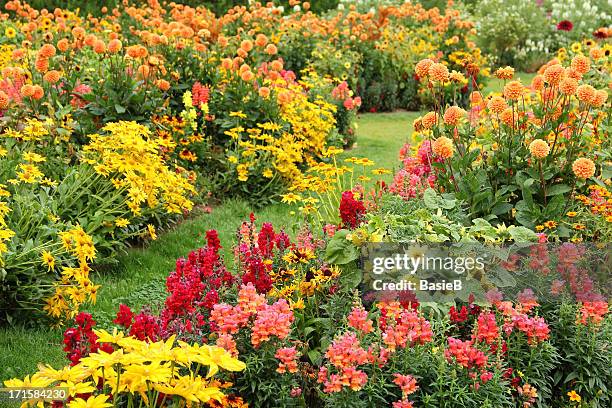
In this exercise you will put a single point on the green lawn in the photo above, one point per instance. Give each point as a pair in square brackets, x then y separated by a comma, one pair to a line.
[139, 277]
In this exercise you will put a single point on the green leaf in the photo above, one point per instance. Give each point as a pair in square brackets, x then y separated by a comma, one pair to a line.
[119, 109]
[558, 189]
[522, 234]
[340, 250]
[434, 201]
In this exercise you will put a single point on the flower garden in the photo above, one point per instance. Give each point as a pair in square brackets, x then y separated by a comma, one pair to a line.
[191, 196]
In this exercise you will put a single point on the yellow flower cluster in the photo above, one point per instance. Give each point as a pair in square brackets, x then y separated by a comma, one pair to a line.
[74, 288]
[5, 232]
[319, 191]
[272, 146]
[138, 372]
[131, 156]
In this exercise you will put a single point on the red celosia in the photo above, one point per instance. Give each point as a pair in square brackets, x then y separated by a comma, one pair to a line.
[80, 341]
[124, 316]
[352, 211]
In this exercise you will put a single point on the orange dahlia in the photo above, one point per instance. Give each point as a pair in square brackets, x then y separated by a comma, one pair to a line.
[429, 120]
[453, 115]
[539, 149]
[443, 147]
[568, 86]
[497, 104]
[554, 74]
[581, 64]
[422, 67]
[505, 73]
[513, 90]
[583, 168]
[46, 51]
[52, 76]
[114, 46]
[585, 93]
[600, 98]
[438, 72]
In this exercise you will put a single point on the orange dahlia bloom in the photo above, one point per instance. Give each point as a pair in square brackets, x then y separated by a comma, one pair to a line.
[422, 67]
[596, 53]
[247, 76]
[276, 65]
[507, 117]
[505, 73]
[537, 83]
[46, 51]
[438, 72]
[572, 73]
[271, 49]
[539, 149]
[99, 47]
[144, 71]
[583, 168]
[443, 147]
[246, 45]
[242, 53]
[497, 104]
[114, 46]
[600, 98]
[568, 86]
[4, 100]
[27, 91]
[162, 84]
[41, 64]
[429, 120]
[261, 40]
[513, 90]
[52, 76]
[38, 92]
[63, 45]
[581, 64]
[226, 63]
[554, 74]
[453, 115]
[585, 93]
[264, 92]
[78, 32]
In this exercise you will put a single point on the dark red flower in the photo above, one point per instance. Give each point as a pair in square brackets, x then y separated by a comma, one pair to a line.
[565, 25]
[352, 211]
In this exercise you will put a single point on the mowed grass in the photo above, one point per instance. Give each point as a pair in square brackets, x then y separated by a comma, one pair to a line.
[138, 279]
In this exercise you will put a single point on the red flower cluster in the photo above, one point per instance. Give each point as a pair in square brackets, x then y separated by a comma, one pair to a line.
[200, 94]
[80, 341]
[352, 211]
[465, 354]
[193, 289]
